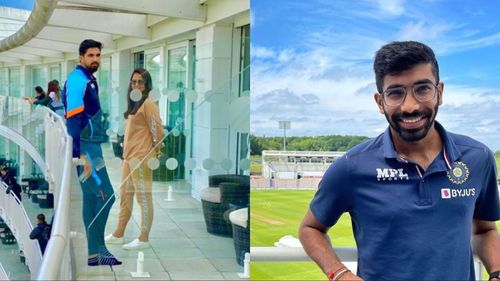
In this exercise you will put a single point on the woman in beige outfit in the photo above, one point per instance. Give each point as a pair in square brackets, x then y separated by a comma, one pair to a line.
[143, 134]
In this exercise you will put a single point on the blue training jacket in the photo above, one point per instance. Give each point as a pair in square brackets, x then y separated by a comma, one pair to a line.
[81, 101]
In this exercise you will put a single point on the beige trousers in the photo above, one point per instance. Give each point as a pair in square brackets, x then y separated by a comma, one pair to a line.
[140, 184]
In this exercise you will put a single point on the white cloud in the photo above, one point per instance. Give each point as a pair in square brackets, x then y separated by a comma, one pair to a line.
[486, 130]
[459, 95]
[323, 95]
[331, 68]
[285, 55]
[480, 42]
[420, 31]
[261, 52]
[391, 7]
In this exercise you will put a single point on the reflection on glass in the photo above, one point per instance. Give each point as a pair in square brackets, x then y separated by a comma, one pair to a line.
[15, 82]
[39, 78]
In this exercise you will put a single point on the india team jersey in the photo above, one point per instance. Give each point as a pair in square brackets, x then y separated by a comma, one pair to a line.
[411, 224]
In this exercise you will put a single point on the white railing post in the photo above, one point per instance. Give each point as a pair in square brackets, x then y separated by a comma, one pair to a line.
[14, 215]
[58, 143]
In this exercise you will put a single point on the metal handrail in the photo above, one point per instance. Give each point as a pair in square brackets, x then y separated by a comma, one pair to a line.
[16, 218]
[58, 245]
[58, 174]
[297, 254]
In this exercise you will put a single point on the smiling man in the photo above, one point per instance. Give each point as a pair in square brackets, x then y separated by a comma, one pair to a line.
[422, 200]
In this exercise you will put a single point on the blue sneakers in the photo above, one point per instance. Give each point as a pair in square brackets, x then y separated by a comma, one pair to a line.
[103, 260]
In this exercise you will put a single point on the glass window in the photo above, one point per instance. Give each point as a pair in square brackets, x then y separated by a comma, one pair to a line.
[55, 72]
[39, 78]
[177, 83]
[193, 75]
[4, 81]
[244, 149]
[243, 139]
[139, 60]
[153, 65]
[245, 60]
[177, 61]
[15, 82]
[104, 80]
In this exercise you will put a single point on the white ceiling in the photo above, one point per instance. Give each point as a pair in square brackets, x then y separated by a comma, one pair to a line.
[55, 28]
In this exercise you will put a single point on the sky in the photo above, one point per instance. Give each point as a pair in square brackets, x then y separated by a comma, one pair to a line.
[312, 63]
[19, 4]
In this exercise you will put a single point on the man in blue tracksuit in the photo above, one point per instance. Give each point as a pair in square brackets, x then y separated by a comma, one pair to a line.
[81, 101]
[422, 200]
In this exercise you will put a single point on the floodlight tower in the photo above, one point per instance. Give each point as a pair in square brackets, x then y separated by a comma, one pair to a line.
[284, 125]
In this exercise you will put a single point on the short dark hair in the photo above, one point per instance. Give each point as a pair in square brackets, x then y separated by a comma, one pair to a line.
[39, 89]
[398, 56]
[87, 44]
[40, 217]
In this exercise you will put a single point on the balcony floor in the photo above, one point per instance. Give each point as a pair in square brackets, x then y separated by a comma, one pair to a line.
[182, 249]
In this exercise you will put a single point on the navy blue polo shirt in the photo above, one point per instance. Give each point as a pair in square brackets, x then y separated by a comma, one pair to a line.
[411, 224]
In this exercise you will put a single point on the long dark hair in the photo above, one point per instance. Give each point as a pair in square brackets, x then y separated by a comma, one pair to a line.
[132, 107]
[53, 86]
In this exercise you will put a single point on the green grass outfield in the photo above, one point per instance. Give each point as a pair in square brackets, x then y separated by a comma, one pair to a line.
[276, 213]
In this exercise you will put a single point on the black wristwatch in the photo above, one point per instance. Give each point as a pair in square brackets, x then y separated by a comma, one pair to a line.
[495, 274]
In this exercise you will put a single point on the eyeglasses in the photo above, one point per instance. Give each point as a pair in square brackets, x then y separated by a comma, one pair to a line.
[138, 82]
[422, 92]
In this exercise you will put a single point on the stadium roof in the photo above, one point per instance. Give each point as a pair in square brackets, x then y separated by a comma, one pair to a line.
[55, 28]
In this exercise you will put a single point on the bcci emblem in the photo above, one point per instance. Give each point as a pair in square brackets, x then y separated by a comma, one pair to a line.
[459, 173]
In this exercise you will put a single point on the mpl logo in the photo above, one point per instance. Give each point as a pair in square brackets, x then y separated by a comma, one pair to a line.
[391, 174]
[447, 193]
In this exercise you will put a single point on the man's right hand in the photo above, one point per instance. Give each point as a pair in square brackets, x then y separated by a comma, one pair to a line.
[87, 168]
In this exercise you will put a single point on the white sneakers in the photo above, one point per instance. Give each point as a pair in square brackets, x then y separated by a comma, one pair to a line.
[136, 245]
[110, 239]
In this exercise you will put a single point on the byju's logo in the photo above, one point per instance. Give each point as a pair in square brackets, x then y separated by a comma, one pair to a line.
[391, 174]
[447, 193]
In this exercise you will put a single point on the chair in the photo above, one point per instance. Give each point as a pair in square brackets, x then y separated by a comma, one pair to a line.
[117, 144]
[7, 237]
[223, 192]
[241, 233]
[44, 198]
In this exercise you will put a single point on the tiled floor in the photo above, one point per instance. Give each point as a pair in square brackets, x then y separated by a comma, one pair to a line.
[182, 249]
[10, 261]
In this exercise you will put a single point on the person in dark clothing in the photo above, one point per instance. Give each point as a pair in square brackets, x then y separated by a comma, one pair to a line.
[41, 98]
[41, 232]
[9, 178]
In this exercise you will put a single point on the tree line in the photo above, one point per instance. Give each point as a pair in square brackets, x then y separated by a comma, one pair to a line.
[320, 143]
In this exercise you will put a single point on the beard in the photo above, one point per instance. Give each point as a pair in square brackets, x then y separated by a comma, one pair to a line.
[92, 68]
[412, 135]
